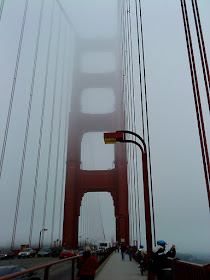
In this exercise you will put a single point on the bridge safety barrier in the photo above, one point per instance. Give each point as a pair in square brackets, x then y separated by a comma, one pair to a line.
[101, 256]
[189, 271]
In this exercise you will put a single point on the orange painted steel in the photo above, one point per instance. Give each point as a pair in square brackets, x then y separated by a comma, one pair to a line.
[78, 181]
[189, 271]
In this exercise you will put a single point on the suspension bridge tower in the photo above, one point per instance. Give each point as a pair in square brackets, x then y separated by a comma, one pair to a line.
[78, 181]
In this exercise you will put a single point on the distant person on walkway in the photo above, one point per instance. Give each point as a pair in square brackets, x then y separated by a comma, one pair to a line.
[130, 252]
[87, 265]
[140, 254]
[123, 249]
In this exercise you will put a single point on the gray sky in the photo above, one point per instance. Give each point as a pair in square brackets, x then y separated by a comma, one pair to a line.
[181, 207]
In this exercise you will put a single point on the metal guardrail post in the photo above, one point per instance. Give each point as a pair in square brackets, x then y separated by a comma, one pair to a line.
[46, 273]
[101, 256]
[72, 269]
[206, 270]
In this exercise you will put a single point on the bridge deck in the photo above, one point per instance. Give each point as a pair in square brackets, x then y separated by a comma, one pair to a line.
[116, 269]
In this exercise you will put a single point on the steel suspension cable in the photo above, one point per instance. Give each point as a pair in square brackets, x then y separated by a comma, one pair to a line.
[202, 49]
[132, 127]
[147, 122]
[197, 101]
[65, 144]
[51, 130]
[41, 127]
[59, 137]
[122, 58]
[140, 72]
[101, 217]
[1, 8]
[13, 87]
[82, 219]
[126, 115]
[131, 195]
[125, 70]
[134, 117]
[27, 125]
[85, 219]
[9, 116]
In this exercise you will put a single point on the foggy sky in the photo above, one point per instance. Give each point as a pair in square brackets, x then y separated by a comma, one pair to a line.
[181, 207]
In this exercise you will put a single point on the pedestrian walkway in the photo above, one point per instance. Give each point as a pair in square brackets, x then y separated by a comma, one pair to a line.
[116, 269]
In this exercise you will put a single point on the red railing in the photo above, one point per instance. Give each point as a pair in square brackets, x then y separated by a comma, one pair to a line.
[189, 271]
[101, 255]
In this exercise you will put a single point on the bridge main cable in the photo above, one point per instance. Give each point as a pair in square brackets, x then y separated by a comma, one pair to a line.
[197, 100]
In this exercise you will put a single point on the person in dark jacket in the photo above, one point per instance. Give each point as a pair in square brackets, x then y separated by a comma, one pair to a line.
[172, 252]
[123, 249]
[130, 252]
[162, 264]
[87, 265]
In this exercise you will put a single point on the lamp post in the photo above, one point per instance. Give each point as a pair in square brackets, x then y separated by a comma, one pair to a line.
[80, 240]
[40, 234]
[119, 136]
[92, 242]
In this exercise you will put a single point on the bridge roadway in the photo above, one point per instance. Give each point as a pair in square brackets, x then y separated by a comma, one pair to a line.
[59, 271]
[112, 269]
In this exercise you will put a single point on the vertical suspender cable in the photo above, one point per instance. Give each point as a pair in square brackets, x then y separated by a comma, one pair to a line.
[64, 147]
[147, 122]
[140, 78]
[52, 127]
[13, 87]
[41, 127]
[101, 218]
[1, 8]
[134, 116]
[202, 49]
[135, 194]
[199, 114]
[9, 116]
[59, 137]
[133, 200]
[131, 214]
[85, 217]
[27, 122]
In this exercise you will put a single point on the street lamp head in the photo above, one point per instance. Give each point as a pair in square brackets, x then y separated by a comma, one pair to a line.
[45, 229]
[113, 137]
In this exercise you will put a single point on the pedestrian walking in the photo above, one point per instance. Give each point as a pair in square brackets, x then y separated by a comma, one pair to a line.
[87, 265]
[123, 249]
[130, 252]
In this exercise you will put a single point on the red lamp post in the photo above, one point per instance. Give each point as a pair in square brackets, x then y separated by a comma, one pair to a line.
[40, 234]
[119, 136]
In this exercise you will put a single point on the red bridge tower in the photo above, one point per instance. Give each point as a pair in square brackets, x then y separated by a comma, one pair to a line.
[79, 181]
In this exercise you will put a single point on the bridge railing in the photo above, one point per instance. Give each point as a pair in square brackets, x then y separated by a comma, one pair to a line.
[189, 271]
[101, 256]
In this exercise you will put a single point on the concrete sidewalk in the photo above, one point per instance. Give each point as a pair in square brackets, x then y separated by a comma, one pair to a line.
[116, 269]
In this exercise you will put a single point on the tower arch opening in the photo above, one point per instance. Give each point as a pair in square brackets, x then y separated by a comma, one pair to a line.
[94, 154]
[97, 219]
